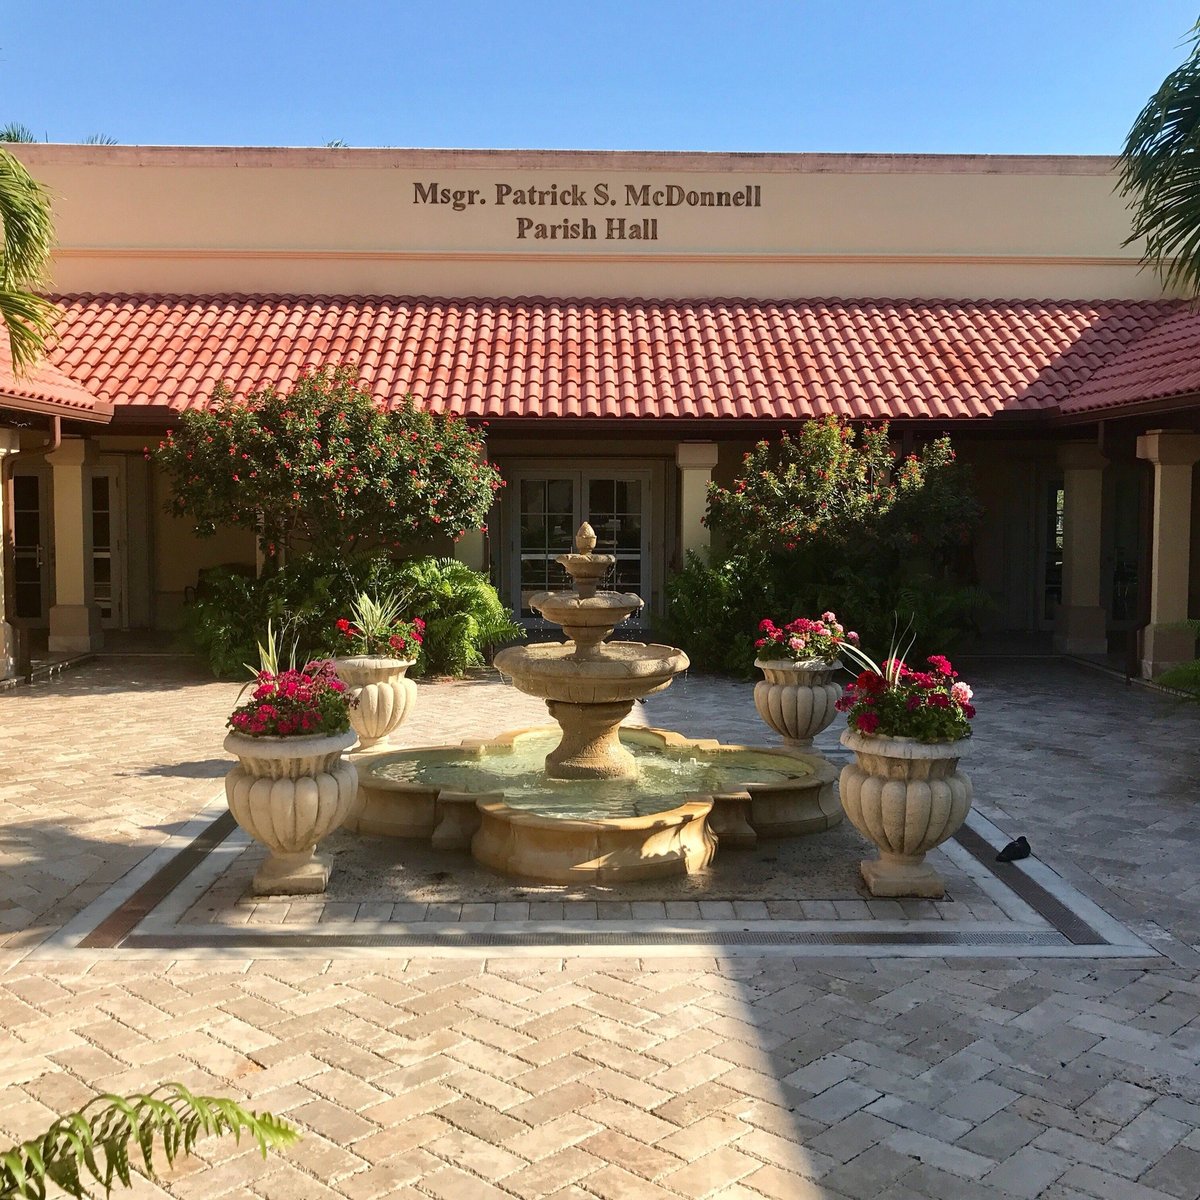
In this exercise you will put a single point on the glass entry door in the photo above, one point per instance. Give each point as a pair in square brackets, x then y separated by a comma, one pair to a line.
[550, 507]
[106, 552]
[31, 546]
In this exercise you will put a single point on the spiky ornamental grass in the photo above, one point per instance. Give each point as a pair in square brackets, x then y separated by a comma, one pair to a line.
[1160, 174]
[90, 1149]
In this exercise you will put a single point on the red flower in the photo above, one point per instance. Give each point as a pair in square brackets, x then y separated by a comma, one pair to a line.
[867, 722]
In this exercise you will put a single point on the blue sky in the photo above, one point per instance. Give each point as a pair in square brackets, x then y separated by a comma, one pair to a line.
[986, 76]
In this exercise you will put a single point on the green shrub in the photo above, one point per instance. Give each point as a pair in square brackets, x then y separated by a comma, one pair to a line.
[321, 468]
[824, 520]
[464, 616]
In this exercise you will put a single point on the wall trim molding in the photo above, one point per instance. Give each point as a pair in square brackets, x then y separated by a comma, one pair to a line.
[159, 254]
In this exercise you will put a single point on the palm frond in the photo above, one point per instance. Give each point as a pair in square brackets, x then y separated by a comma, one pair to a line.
[1160, 174]
[89, 1149]
[27, 227]
[14, 131]
[29, 320]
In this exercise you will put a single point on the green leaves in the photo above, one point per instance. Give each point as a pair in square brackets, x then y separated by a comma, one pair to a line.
[322, 468]
[89, 1149]
[463, 613]
[28, 237]
[1160, 174]
[825, 519]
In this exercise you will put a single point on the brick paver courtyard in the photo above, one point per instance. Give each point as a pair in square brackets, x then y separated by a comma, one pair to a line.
[628, 1077]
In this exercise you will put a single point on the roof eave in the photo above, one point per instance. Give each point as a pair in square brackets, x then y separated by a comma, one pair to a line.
[99, 414]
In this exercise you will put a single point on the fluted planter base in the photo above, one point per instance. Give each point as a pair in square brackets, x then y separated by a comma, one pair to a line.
[907, 797]
[893, 875]
[291, 875]
[797, 699]
[384, 697]
[288, 794]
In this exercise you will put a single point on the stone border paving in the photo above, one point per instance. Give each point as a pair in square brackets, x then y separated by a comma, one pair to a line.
[1030, 911]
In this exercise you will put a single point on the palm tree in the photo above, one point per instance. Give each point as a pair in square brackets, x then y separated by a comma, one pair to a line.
[100, 139]
[24, 252]
[14, 131]
[1160, 172]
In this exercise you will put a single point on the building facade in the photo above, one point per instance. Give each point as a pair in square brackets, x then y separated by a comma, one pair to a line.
[627, 324]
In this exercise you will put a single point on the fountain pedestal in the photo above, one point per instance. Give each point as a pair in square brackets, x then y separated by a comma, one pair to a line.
[591, 745]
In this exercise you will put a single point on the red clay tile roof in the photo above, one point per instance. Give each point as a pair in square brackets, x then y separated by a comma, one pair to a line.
[46, 390]
[536, 357]
[1163, 363]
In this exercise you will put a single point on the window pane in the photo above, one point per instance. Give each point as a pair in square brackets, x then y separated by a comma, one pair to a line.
[25, 491]
[100, 531]
[28, 598]
[629, 496]
[25, 528]
[100, 492]
[533, 495]
[560, 496]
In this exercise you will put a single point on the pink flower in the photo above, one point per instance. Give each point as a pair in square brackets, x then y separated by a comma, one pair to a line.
[962, 692]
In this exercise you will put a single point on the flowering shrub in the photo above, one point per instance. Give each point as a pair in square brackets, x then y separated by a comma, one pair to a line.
[804, 639]
[895, 701]
[309, 701]
[831, 517]
[377, 627]
[322, 468]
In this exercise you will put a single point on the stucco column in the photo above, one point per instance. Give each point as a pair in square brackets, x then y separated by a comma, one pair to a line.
[695, 461]
[74, 623]
[1081, 624]
[10, 443]
[1173, 454]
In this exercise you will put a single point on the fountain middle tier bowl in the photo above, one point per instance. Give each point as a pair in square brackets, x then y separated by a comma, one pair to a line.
[620, 671]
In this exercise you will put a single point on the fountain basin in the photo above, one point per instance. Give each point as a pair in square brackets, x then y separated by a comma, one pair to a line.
[600, 830]
[516, 841]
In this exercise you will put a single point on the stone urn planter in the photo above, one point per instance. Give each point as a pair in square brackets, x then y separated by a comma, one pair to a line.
[383, 697]
[288, 793]
[797, 698]
[907, 797]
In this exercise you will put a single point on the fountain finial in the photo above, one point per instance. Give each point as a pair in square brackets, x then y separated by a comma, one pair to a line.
[585, 539]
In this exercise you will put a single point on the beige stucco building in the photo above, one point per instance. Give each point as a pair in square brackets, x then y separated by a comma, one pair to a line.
[627, 324]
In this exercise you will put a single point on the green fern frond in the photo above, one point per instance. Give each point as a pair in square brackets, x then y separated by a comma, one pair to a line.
[68, 1154]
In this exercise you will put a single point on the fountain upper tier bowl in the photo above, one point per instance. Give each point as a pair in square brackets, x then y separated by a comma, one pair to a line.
[586, 619]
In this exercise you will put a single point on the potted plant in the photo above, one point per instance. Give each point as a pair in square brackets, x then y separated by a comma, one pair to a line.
[375, 646]
[291, 787]
[798, 695]
[908, 729]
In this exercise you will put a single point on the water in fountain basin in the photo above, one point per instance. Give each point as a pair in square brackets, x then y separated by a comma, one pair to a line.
[664, 778]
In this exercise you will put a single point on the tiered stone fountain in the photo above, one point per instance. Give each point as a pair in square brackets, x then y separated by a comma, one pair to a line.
[590, 801]
[589, 685]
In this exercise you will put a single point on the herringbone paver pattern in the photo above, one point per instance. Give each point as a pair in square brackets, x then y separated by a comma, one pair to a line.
[617, 1079]
[661, 1078]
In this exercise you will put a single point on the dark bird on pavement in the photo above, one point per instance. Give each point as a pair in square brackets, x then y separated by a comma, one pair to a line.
[1014, 850]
